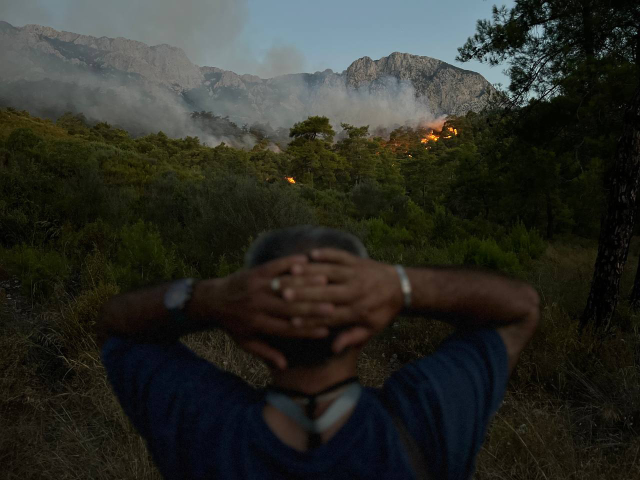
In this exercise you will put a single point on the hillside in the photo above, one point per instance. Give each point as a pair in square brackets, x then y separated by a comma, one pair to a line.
[88, 211]
[131, 84]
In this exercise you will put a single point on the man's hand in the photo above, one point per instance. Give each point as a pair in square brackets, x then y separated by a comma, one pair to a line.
[366, 294]
[247, 307]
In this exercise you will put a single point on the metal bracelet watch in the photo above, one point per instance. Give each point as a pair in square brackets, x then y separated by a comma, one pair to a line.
[176, 298]
[405, 285]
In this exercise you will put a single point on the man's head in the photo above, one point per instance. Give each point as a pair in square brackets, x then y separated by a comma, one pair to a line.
[290, 241]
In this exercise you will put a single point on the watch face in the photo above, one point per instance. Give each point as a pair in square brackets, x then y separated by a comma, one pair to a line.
[177, 295]
[175, 298]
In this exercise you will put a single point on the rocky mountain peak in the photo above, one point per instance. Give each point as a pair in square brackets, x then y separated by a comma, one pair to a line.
[389, 91]
[446, 88]
[163, 63]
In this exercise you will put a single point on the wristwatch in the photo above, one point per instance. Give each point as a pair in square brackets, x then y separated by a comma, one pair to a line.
[176, 298]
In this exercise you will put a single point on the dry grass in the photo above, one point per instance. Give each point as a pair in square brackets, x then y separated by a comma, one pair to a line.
[572, 410]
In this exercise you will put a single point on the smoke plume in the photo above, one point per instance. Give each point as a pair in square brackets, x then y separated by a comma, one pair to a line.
[209, 31]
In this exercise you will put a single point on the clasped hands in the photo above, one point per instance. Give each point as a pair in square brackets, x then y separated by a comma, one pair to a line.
[302, 296]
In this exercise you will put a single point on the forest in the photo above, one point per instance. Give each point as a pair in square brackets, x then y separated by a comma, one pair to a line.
[540, 186]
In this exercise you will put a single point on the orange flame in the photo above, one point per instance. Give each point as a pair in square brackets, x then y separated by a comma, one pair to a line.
[290, 179]
[431, 136]
[435, 138]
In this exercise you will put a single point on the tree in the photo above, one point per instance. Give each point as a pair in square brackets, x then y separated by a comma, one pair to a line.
[584, 50]
[419, 169]
[313, 128]
[313, 162]
[552, 43]
[359, 152]
[628, 164]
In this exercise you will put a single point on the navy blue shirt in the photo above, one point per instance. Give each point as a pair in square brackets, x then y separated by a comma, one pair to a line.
[202, 422]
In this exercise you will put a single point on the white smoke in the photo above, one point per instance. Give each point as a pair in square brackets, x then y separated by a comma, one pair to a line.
[392, 102]
[137, 107]
[209, 31]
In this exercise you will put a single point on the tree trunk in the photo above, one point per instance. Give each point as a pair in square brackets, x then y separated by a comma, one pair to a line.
[617, 223]
[635, 292]
[549, 217]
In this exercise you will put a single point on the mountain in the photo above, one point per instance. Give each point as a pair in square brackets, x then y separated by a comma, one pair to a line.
[145, 87]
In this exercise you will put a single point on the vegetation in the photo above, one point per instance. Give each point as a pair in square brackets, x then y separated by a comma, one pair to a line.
[86, 211]
[578, 61]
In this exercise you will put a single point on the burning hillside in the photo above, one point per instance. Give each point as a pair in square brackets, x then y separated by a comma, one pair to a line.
[434, 136]
[406, 138]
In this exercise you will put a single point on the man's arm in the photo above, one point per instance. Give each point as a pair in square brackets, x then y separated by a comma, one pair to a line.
[368, 294]
[473, 299]
[142, 315]
[243, 304]
[446, 399]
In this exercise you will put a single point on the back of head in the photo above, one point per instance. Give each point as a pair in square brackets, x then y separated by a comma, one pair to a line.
[291, 241]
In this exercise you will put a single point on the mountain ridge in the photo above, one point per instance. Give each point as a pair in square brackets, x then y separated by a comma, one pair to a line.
[391, 90]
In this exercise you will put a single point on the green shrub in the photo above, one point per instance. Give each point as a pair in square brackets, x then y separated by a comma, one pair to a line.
[141, 257]
[22, 140]
[482, 228]
[484, 253]
[96, 270]
[444, 228]
[40, 271]
[226, 210]
[417, 221]
[526, 244]
[428, 255]
[331, 206]
[385, 243]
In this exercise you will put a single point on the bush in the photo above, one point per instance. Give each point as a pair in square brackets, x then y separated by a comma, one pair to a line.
[39, 271]
[444, 228]
[142, 258]
[486, 254]
[372, 200]
[331, 206]
[225, 211]
[22, 140]
[417, 221]
[383, 242]
[526, 244]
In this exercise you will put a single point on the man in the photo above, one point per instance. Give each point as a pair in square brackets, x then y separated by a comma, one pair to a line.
[307, 303]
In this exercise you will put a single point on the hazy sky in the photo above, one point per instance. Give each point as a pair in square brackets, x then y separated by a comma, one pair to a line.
[273, 37]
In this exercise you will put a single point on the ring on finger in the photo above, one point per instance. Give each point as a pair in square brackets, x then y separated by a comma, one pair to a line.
[276, 284]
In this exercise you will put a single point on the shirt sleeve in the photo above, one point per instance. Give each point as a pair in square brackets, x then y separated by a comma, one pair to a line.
[446, 400]
[174, 399]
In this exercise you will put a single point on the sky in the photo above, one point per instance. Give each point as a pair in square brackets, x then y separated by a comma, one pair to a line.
[274, 37]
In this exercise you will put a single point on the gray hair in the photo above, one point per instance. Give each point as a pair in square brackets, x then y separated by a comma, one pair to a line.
[301, 239]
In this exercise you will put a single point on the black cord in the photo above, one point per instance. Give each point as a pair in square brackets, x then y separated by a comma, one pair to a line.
[315, 439]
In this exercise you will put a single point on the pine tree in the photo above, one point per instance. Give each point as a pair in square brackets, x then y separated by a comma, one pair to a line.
[579, 49]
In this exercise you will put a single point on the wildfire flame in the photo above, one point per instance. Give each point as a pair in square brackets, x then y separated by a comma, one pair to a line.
[290, 179]
[435, 138]
[431, 136]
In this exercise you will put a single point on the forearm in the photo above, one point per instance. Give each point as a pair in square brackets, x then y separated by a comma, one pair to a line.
[471, 299]
[142, 314]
